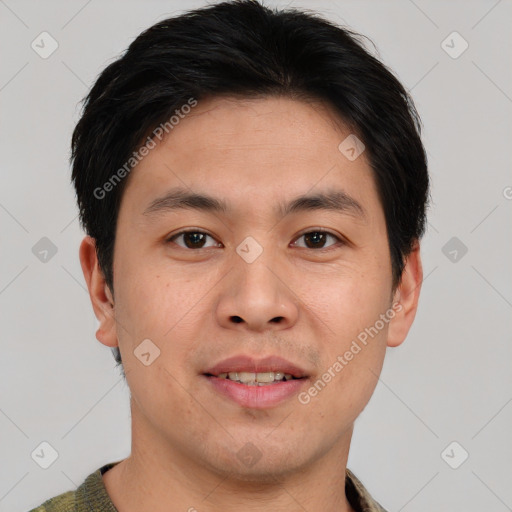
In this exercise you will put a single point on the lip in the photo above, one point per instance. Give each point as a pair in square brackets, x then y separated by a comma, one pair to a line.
[256, 397]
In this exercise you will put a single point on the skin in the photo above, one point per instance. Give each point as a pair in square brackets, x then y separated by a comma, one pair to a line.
[185, 436]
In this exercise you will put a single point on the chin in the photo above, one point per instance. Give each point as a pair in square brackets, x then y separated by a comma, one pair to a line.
[266, 466]
[261, 473]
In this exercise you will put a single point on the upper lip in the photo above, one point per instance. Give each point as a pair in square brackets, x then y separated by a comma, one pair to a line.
[244, 363]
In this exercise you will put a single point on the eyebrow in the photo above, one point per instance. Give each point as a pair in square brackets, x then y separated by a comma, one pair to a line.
[182, 199]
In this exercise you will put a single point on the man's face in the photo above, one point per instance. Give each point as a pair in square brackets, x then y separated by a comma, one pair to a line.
[255, 285]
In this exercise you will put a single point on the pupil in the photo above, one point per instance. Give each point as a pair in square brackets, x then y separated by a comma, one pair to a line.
[195, 237]
[317, 237]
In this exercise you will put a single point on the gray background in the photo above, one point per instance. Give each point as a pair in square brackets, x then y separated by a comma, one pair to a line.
[451, 379]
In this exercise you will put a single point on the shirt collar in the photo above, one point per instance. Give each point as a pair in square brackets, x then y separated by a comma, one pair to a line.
[357, 495]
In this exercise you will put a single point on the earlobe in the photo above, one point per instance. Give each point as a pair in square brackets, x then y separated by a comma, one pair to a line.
[99, 293]
[406, 298]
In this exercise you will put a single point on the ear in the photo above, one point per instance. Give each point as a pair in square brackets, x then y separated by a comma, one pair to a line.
[100, 295]
[406, 298]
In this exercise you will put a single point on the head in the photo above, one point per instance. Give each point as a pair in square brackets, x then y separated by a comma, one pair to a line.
[245, 111]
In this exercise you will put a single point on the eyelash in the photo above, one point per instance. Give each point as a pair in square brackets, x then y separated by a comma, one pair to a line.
[322, 231]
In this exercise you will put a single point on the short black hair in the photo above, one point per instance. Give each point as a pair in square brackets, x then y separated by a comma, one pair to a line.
[244, 49]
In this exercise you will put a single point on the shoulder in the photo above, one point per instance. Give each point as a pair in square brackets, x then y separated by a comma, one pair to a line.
[90, 496]
[358, 496]
[64, 502]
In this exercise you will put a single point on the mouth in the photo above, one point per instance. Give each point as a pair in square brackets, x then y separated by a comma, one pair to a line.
[256, 383]
[255, 379]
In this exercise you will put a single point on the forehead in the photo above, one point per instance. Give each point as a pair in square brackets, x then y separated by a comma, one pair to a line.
[252, 152]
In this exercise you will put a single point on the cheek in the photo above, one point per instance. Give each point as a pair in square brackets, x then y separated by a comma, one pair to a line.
[161, 395]
[351, 335]
[346, 301]
[155, 308]
[353, 351]
[169, 308]
[155, 297]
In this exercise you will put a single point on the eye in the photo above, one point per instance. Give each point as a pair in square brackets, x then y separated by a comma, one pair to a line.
[316, 239]
[193, 239]
[196, 239]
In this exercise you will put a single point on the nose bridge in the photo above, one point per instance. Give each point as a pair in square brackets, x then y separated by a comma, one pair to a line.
[254, 263]
[256, 294]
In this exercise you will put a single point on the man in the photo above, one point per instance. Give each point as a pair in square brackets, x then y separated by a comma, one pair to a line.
[253, 186]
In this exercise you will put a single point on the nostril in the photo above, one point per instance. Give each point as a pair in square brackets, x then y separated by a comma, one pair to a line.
[236, 319]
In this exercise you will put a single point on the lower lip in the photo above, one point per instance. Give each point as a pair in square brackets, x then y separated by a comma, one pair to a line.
[257, 397]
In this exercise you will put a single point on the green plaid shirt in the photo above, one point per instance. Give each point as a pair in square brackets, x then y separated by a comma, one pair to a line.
[92, 496]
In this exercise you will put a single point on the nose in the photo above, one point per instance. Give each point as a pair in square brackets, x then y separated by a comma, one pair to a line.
[257, 296]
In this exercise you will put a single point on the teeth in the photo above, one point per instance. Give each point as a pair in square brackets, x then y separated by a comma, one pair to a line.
[259, 377]
[255, 379]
